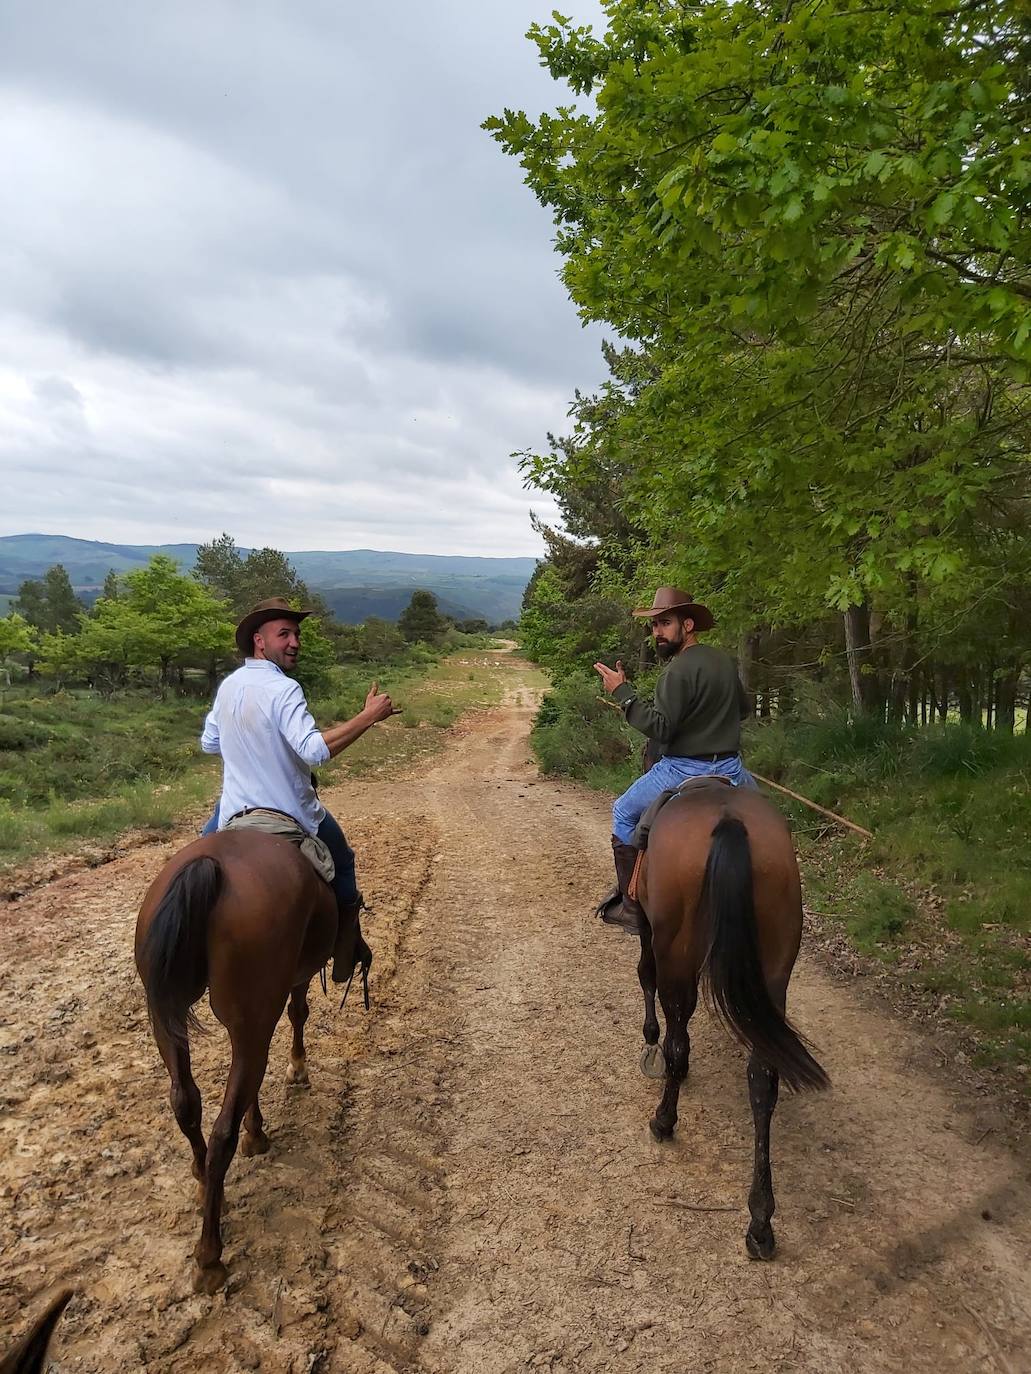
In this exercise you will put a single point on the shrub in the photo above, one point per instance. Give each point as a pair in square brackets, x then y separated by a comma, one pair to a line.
[575, 731]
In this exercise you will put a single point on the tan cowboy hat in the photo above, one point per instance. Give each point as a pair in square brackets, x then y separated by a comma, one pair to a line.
[275, 608]
[673, 599]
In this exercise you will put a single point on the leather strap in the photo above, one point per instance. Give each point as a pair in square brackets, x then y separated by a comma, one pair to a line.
[635, 877]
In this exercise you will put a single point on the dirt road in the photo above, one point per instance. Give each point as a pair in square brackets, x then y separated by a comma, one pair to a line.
[469, 1185]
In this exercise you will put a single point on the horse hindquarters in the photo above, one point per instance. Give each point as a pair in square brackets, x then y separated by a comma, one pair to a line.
[753, 1010]
[732, 967]
[171, 947]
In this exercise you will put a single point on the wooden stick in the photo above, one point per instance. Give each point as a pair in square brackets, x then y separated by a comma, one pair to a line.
[851, 825]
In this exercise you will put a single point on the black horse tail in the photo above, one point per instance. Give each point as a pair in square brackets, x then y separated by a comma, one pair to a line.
[174, 958]
[734, 978]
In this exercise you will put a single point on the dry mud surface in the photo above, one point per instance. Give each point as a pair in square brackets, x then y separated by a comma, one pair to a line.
[469, 1183]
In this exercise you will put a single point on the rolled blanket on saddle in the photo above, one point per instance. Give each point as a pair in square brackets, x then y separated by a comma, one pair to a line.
[271, 822]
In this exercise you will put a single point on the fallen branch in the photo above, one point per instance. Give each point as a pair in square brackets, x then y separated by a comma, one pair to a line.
[992, 1339]
[851, 825]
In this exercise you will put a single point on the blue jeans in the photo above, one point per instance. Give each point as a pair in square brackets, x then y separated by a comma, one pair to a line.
[667, 773]
[344, 884]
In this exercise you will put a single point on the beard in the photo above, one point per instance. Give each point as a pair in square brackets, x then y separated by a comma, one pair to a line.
[665, 649]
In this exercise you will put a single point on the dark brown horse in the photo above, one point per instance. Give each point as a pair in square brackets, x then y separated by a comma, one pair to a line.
[721, 889]
[245, 916]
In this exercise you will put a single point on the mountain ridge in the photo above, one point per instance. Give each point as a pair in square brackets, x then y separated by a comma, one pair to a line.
[354, 582]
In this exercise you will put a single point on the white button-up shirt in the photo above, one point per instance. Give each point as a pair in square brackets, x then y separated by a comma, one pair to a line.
[261, 725]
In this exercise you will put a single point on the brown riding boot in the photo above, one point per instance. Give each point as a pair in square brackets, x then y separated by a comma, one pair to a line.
[619, 909]
[350, 948]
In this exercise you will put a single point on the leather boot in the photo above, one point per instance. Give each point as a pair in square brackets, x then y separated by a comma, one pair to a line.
[350, 948]
[619, 909]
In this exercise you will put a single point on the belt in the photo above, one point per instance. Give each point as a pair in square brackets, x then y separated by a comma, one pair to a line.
[712, 758]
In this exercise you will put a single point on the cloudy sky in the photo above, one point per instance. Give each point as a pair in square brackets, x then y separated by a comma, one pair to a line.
[260, 270]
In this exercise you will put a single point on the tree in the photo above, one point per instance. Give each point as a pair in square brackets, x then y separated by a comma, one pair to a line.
[110, 588]
[49, 603]
[316, 659]
[421, 620]
[17, 636]
[219, 565]
[379, 640]
[161, 619]
[809, 223]
[268, 572]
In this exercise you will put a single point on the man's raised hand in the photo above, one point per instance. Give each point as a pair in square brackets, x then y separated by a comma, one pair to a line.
[379, 705]
[611, 678]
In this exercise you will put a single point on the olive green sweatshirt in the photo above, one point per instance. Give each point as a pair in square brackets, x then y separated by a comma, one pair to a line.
[699, 704]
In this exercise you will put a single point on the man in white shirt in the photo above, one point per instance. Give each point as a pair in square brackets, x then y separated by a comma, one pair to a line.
[269, 743]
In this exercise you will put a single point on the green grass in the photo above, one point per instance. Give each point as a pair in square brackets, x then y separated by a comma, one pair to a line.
[76, 767]
[944, 889]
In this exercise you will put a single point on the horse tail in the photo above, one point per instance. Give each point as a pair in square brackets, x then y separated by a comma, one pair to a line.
[175, 950]
[732, 969]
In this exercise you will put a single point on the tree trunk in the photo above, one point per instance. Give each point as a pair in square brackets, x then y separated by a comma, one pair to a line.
[943, 699]
[746, 658]
[1006, 702]
[965, 697]
[857, 655]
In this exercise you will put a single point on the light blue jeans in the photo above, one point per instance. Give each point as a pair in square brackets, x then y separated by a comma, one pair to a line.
[667, 773]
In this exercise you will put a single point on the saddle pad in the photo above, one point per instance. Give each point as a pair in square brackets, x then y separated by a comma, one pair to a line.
[646, 822]
[278, 823]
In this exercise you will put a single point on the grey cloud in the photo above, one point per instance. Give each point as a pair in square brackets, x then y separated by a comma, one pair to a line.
[277, 249]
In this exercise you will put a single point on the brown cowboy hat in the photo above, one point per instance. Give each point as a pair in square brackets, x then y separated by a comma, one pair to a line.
[275, 608]
[673, 599]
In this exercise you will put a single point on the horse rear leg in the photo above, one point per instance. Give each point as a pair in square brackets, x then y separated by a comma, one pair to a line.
[763, 1090]
[651, 1059]
[185, 1098]
[250, 1056]
[763, 1087]
[298, 1013]
[678, 999]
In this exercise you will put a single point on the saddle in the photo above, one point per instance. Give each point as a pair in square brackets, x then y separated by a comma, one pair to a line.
[646, 822]
[271, 822]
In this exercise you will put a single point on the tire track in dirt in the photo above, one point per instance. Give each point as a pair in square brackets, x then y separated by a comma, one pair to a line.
[469, 1184]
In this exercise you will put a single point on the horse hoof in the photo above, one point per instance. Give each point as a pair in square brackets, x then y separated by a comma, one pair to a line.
[763, 1246]
[660, 1130]
[210, 1279]
[298, 1074]
[653, 1065]
[254, 1145]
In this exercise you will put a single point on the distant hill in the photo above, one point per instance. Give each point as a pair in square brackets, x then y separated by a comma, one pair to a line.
[355, 583]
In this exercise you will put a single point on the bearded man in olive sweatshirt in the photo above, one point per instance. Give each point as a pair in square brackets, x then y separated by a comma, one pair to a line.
[695, 720]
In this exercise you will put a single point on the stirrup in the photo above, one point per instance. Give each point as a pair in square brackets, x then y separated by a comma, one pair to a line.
[613, 911]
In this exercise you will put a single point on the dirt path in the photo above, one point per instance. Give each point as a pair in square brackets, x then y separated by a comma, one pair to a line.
[469, 1186]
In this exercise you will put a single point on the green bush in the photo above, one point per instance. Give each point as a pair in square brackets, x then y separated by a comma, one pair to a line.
[17, 734]
[577, 733]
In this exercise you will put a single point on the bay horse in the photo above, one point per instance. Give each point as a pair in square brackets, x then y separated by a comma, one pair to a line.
[720, 886]
[245, 916]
